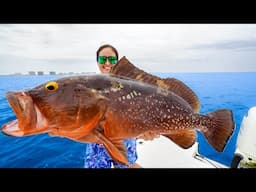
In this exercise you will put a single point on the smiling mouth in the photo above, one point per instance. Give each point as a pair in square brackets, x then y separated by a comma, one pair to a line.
[107, 68]
[26, 112]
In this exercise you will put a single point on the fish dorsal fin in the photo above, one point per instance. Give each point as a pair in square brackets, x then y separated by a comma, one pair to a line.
[125, 68]
[115, 148]
[184, 139]
[179, 88]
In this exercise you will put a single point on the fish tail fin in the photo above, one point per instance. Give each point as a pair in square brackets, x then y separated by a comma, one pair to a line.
[220, 130]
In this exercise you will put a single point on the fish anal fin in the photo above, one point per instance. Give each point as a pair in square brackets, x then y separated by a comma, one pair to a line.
[184, 139]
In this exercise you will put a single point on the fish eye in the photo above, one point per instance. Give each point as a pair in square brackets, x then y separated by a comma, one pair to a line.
[51, 86]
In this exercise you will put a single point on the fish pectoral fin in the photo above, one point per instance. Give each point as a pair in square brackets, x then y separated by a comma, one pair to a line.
[115, 148]
[89, 138]
[184, 139]
[119, 144]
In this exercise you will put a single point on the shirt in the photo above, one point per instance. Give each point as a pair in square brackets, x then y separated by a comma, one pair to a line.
[96, 156]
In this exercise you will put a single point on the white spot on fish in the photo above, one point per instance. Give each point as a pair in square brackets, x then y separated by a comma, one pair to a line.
[114, 89]
[162, 91]
[128, 96]
[93, 90]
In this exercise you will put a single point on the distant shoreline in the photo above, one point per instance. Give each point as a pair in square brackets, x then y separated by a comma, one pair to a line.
[72, 73]
[156, 73]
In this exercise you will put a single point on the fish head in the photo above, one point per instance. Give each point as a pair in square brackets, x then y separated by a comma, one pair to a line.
[26, 113]
[64, 104]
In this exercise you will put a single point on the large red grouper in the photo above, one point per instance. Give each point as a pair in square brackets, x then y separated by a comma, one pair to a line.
[107, 109]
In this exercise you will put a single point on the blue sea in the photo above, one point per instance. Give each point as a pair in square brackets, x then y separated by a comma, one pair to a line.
[235, 91]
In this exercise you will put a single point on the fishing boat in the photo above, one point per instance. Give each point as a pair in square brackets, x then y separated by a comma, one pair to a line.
[161, 153]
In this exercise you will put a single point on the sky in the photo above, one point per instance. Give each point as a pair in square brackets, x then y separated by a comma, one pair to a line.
[151, 47]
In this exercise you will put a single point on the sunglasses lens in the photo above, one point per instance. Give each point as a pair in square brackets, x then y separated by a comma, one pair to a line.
[112, 59]
[102, 59]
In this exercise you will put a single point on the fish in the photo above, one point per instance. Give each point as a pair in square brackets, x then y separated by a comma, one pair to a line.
[108, 108]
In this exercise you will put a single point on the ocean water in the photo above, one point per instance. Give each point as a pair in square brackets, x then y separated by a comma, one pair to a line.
[235, 91]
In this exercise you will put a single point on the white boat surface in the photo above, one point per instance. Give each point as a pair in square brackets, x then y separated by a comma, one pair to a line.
[163, 153]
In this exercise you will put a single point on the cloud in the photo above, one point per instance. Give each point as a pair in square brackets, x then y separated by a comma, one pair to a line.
[233, 45]
[152, 47]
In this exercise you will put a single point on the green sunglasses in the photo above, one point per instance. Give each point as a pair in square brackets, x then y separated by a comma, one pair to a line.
[103, 59]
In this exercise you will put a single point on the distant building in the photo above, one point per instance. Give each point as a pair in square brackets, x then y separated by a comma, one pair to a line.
[40, 73]
[52, 73]
[32, 73]
[18, 73]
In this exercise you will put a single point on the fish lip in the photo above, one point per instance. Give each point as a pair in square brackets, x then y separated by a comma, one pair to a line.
[16, 101]
[23, 107]
[12, 129]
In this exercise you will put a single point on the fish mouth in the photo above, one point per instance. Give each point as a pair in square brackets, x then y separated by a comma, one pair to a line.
[29, 118]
